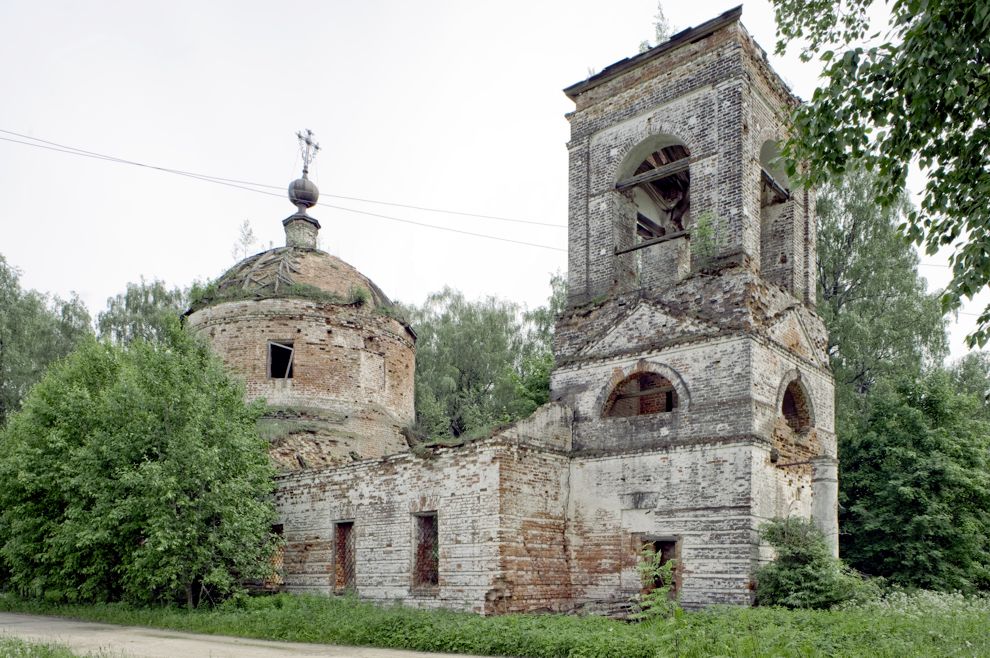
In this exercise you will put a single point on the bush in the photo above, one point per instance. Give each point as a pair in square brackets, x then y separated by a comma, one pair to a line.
[805, 574]
[135, 472]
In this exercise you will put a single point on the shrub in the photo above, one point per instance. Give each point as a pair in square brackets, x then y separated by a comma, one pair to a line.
[805, 574]
[657, 578]
[135, 472]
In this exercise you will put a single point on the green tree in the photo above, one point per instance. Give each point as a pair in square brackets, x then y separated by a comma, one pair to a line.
[971, 376]
[662, 29]
[481, 363]
[144, 311]
[466, 355]
[135, 472]
[35, 331]
[915, 500]
[922, 94]
[882, 323]
[533, 380]
[244, 246]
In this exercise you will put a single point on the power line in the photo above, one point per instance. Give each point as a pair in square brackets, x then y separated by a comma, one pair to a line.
[74, 150]
[243, 185]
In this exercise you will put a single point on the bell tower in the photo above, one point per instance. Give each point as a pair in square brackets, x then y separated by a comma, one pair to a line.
[690, 350]
[674, 169]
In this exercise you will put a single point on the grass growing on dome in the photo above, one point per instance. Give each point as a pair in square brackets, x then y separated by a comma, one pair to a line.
[212, 293]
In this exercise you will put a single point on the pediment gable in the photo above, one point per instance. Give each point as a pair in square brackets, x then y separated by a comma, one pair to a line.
[646, 325]
[790, 331]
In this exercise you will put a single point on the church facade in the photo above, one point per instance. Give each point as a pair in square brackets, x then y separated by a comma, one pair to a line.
[691, 399]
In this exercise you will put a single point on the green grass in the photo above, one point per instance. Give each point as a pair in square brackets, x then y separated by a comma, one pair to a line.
[11, 647]
[903, 625]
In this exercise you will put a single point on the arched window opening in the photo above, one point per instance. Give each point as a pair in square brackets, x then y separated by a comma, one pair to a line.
[795, 408]
[659, 185]
[774, 182]
[641, 394]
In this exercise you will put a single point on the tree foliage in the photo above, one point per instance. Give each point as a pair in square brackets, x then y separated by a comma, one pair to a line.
[244, 245]
[882, 323]
[920, 93]
[971, 376]
[662, 29]
[144, 311]
[804, 573]
[134, 472]
[909, 440]
[481, 363]
[915, 498]
[35, 331]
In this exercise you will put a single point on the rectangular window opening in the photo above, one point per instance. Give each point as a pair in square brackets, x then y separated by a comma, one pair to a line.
[280, 357]
[668, 551]
[276, 574]
[344, 557]
[426, 571]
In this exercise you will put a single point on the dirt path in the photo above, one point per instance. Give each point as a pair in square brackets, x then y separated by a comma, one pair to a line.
[137, 642]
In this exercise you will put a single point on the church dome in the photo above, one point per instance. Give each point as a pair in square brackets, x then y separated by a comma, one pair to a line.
[318, 341]
[294, 272]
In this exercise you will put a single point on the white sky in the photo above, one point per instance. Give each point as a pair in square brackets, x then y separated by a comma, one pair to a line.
[454, 105]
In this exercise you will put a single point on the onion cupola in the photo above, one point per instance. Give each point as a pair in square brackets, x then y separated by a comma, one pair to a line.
[315, 338]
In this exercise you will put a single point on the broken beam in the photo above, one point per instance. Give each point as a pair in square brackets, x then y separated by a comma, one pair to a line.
[650, 243]
[779, 189]
[665, 171]
[639, 394]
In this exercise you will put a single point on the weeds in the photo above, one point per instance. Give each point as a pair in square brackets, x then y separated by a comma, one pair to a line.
[657, 601]
[11, 647]
[920, 624]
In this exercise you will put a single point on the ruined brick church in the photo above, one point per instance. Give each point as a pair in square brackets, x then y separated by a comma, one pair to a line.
[691, 399]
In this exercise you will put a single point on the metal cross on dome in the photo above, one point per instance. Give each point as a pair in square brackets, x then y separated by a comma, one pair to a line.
[308, 147]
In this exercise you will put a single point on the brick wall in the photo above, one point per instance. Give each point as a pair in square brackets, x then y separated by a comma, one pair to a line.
[551, 513]
[697, 495]
[730, 331]
[500, 505]
[353, 370]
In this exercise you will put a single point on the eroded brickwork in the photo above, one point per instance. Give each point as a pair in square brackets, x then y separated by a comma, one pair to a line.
[351, 392]
[723, 310]
[707, 305]
[500, 506]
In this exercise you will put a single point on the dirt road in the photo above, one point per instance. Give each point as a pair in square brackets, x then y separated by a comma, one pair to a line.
[135, 642]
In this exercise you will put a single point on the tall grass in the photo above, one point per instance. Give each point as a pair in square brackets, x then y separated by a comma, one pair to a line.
[11, 647]
[923, 624]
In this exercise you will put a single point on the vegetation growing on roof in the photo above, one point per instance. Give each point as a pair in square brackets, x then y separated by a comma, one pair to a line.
[273, 274]
[216, 292]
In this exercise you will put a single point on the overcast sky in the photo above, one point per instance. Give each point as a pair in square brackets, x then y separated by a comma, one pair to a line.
[449, 105]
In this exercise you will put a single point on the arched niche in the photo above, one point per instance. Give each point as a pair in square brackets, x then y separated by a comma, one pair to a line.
[783, 226]
[794, 403]
[652, 210]
[775, 184]
[655, 177]
[645, 389]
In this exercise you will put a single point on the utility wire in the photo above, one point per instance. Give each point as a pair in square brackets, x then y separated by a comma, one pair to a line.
[253, 187]
[73, 150]
[229, 183]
